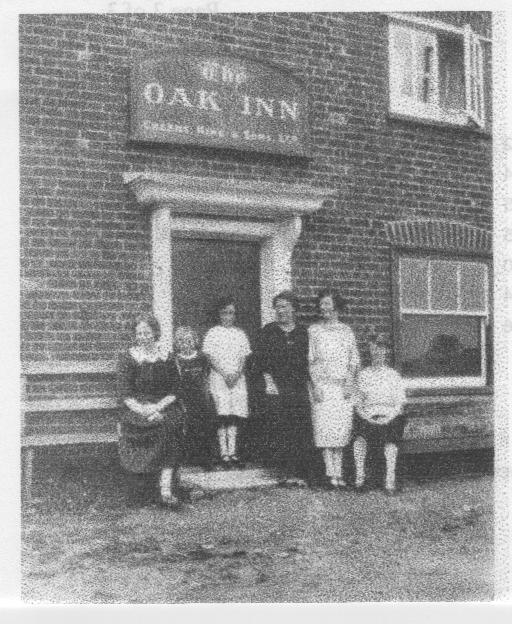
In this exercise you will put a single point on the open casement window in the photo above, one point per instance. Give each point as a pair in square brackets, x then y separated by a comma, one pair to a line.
[443, 318]
[474, 72]
[436, 74]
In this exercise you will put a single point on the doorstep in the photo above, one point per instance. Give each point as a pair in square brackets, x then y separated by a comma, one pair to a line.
[224, 480]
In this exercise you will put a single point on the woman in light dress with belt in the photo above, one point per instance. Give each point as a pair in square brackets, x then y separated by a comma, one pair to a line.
[333, 365]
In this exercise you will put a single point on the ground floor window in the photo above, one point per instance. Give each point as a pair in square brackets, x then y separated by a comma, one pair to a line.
[443, 320]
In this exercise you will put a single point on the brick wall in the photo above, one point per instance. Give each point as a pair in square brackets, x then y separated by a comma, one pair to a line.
[86, 244]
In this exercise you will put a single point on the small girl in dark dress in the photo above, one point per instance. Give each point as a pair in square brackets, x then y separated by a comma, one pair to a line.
[200, 423]
[152, 417]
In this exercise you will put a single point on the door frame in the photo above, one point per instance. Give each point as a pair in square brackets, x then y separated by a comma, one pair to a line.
[277, 241]
[261, 210]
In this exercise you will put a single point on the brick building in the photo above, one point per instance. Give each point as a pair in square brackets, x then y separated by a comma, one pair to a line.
[390, 202]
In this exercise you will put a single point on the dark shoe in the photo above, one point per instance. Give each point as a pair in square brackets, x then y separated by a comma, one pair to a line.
[226, 462]
[296, 482]
[361, 489]
[236, 462]
[289, 482]
[173, 503]
[391, 491]
[337, 484]
[329, 485]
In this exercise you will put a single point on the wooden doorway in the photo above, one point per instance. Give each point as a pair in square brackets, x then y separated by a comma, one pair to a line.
[205, 269]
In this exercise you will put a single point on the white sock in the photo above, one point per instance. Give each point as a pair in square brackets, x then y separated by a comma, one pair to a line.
[360, 460]
[166, 483]
[390, 453]
[223, 442]
[333, 458]
[338, 464]
[327, 455]
[231, 436]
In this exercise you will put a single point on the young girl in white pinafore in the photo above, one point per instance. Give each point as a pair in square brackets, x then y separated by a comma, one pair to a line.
[227, 349]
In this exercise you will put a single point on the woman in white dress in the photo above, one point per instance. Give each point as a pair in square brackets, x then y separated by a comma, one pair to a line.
[333, 366]
[227, 349]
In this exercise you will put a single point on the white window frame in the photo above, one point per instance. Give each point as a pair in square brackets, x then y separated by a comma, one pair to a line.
[473, 73]
[448, 382]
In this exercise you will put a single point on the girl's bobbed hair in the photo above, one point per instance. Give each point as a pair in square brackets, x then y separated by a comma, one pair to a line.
[339, 302]
[221, 303]
[185, 330]
[286, 295]
[151, 321]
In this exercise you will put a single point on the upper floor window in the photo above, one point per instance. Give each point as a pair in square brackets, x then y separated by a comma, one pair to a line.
[443, 319]
[437, 72]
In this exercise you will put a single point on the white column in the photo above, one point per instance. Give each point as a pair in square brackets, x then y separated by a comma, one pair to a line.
[276, 263]
[161, 259]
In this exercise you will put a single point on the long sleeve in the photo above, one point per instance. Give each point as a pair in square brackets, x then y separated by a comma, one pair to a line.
[354, 359]
[205, 388]
[261, 353]
[175, 386]
[125, 378]
[315, 367]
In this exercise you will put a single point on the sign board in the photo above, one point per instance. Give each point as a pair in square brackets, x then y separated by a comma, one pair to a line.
[218, 101]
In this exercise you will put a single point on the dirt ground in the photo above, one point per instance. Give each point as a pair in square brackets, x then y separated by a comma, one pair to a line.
[83, 544]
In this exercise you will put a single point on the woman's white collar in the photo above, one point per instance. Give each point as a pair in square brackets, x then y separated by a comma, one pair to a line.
[187, 357]
[139, 355]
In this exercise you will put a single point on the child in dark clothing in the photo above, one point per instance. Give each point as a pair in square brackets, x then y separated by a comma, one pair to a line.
[193, 368]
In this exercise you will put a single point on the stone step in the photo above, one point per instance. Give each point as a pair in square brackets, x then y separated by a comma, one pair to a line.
[251, 477]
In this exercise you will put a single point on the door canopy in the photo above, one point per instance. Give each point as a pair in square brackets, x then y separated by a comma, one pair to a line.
[211, 196]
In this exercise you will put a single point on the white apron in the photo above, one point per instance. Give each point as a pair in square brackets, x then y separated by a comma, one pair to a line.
[229, 401]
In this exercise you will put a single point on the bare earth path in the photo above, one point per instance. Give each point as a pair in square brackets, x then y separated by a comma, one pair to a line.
[431, 543]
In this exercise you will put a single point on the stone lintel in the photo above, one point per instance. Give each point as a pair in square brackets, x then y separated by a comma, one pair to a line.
[188, 194]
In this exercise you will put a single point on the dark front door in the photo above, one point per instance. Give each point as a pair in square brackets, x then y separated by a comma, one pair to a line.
[205, 269]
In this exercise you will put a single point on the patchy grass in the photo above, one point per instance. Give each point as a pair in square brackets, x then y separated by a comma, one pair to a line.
[433, 542]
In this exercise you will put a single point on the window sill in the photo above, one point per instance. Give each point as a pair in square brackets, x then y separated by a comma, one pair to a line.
[466, 128]
[449, 393]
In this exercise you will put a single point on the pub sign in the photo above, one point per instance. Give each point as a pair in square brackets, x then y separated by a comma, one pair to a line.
[218, 101]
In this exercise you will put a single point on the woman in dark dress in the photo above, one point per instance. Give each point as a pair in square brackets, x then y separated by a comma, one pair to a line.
[281, 356]
[152, 418]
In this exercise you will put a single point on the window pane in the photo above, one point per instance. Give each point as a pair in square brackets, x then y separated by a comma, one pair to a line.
[425, 66]
[472, 286]
[452, 87]
[402, 55]
[414, 283]
[440, 346]
[443, 294]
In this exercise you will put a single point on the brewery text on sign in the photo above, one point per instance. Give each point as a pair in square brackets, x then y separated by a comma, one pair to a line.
[218, 101]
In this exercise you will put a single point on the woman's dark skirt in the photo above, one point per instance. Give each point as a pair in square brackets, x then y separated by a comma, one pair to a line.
[378, 435]
[144, 450]
[290, 435]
